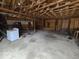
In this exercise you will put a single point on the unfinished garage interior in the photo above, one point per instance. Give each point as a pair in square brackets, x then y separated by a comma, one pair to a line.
[39, 29]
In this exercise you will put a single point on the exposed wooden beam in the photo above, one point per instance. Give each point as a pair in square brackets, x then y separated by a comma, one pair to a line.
[48, 15]
[2, 3]
[73, 11]
[40, 5]
[33, 3]
[51, 4]
[53, 13]
[76, 5]
[45, 11]
[65, 5]
[59, 7]
[61, 12]
[67, 9]
[13, 12]
[37, 3]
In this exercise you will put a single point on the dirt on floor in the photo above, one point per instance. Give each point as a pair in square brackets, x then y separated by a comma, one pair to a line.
[39, 45]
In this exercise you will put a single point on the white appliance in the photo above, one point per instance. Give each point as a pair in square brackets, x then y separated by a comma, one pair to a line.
[13, 34]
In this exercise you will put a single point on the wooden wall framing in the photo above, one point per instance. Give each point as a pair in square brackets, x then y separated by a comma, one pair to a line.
[61, 24]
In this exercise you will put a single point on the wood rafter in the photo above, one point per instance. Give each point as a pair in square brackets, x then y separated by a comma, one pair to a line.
[51, 4]
[33, 3]
[73, 11]
[61, 10]
[66, 4]
[45, 11]
[50, 16]
[68, 9]
[58, 8]
[36, 3]
[12, 12]
[41, 5]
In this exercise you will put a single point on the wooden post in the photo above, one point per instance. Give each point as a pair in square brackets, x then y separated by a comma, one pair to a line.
[69, 24]
[43, 23]
[56, 23]
[61, 24]
[10, 4]
[13, 4]
[34, 25]
[3, 3]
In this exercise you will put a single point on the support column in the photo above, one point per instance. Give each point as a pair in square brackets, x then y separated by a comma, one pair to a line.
[34, 25]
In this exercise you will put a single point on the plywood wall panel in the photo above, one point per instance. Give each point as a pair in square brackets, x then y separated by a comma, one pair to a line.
[72, 24]
[65, 24]
[62, 24]
[59, 25]
[50, 24]
[76, 23]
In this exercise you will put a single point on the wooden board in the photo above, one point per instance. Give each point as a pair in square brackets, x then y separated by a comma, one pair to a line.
[50, 24]
[59, 25]
[74, 23]
[65, 24]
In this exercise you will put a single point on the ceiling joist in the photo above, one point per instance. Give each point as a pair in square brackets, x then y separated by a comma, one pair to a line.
[51, 4]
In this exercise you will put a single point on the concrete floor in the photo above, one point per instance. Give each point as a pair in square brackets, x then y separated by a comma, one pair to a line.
[40, 45]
